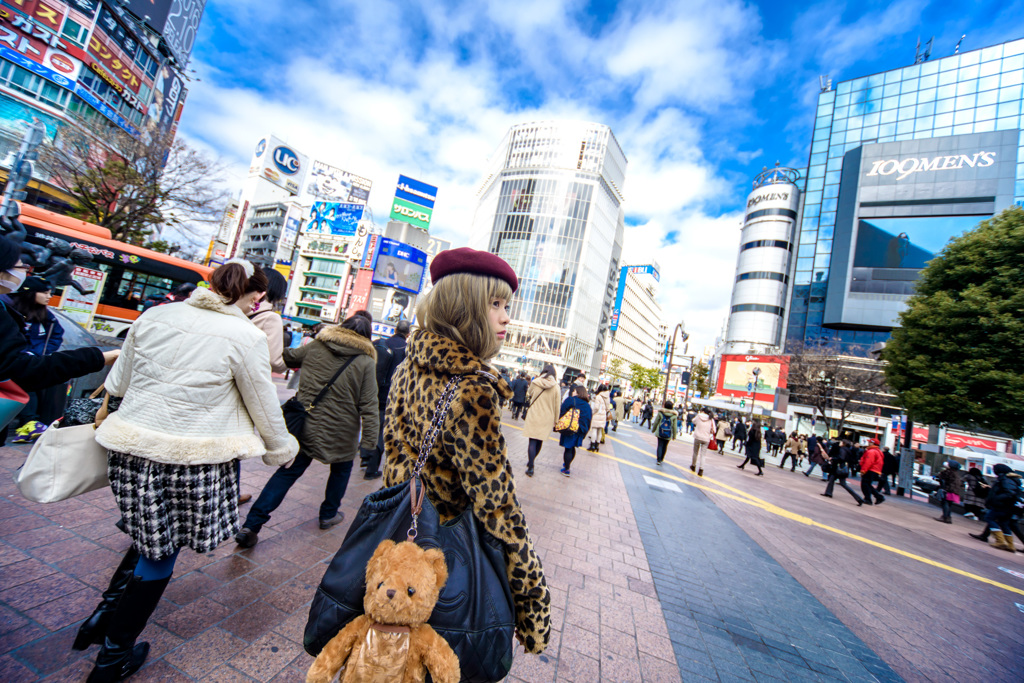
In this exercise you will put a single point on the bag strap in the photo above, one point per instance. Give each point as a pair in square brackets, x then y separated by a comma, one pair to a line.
[416, 488]
[327, 386]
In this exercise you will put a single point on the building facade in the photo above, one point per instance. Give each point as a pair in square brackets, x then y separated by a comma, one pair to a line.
[639, 334]
[551, 205]
[121, 62]
[762, 268]
[900, 162]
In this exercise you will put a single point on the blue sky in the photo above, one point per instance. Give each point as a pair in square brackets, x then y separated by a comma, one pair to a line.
[701, 96]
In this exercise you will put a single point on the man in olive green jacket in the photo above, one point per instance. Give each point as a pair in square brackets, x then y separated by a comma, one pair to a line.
[344, 420]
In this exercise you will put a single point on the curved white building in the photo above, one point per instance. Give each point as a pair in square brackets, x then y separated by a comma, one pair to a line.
[551, 205]
[762, 269]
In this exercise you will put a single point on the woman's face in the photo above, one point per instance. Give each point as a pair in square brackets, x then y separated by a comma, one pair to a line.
[499, 317]
[9, 282]
[43, 298]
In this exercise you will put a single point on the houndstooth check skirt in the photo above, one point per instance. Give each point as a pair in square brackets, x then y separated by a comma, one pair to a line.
[166, 507]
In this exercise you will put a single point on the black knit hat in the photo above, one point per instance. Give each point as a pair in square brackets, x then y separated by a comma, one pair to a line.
[35, 284]
[10, 253]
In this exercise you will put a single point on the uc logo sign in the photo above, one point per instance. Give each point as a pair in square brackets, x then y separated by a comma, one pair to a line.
[286, 160]
[261, 147]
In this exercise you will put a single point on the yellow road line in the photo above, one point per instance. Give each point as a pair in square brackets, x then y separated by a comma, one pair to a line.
[754, 501]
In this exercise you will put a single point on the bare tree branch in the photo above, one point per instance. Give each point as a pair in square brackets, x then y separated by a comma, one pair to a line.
[135, 187]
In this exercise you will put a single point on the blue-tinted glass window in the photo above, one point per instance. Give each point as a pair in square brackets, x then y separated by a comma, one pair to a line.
[927, 82]
[1009, 109]
[988, 97]
[967, 72]
[985, 113]
[962, 117]
[945, 91]
[876, 80]
[970, 58]
[989, 68]
[1011, 78]
[945, 106]
[966, 88]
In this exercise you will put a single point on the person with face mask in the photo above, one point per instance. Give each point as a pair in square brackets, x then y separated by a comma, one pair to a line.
[29, 371]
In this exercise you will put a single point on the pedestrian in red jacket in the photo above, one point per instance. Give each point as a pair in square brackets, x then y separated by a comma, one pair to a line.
[871, 473]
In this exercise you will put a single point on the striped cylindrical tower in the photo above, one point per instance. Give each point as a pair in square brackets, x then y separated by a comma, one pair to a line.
[762, 269]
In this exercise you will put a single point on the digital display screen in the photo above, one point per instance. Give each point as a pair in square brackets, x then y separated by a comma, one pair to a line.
[906, 242]
[891, 252]
[399, 266]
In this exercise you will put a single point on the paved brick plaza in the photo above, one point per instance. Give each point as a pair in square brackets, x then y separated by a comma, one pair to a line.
[653, 579]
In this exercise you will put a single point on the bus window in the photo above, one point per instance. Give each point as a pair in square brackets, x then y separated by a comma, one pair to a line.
[129, 288]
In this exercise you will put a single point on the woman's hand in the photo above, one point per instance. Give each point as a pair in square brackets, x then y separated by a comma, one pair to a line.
[110, 356]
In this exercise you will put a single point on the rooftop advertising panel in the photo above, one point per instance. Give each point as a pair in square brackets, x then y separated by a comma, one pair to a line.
[280, 164]
[399, 265]
[414, 202]
[736, 374]
[333, 184]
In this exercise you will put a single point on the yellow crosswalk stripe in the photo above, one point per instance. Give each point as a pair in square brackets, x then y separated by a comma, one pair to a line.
[749, 499]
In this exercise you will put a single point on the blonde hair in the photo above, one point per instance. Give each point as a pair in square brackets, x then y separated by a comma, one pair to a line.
[458, 308]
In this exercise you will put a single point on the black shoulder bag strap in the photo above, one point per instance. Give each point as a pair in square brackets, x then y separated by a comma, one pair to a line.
[327, 386]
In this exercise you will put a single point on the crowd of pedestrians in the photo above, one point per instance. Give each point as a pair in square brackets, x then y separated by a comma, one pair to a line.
[196, 396]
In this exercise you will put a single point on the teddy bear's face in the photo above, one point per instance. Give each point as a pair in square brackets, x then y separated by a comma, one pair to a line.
[402, 583]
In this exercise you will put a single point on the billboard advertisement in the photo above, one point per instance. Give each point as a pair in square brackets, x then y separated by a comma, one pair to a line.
[623, 275]
[399, 265]
[280, 164]
[414, 202]
[736, 374]
[168, 95]
[899, 204]
[335, 218]
[335, 185]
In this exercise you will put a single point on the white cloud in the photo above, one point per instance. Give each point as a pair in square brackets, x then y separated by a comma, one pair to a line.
[437, 109]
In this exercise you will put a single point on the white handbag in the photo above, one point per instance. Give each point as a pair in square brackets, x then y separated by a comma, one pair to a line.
[62, 464]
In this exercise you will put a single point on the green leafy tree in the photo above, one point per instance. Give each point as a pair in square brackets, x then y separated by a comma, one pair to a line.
[700, 379]
[644, 379]
[958, 355]
[163, 246]
[617, 369]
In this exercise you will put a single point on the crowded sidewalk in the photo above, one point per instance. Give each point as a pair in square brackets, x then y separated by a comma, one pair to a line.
[655, 576]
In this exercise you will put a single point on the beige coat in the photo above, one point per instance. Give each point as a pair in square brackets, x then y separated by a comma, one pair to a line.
[269, 322]
[599, 407]
[543, 399]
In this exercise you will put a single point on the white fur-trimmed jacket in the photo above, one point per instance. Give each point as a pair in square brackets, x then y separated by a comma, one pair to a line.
[195, 377]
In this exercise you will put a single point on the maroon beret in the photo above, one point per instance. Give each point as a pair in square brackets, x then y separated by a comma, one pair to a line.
[466, 260]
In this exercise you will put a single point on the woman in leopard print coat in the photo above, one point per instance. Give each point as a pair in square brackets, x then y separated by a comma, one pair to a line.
[463, 320]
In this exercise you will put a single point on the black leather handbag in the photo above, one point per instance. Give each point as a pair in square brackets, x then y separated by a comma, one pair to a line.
[474, 611]
[295, 413]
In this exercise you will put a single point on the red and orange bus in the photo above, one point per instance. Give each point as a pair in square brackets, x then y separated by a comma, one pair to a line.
[133, 273]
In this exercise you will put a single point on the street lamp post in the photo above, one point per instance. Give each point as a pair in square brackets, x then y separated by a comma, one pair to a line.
[753, 392]
[672, 350]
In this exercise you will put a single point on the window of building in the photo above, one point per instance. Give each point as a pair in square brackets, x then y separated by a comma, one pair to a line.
[75, 32]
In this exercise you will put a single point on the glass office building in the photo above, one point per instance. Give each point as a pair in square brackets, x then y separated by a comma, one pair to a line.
[551, 205]
[900, 162]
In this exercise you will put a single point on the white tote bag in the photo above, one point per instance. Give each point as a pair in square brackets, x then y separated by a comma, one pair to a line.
[62, 464]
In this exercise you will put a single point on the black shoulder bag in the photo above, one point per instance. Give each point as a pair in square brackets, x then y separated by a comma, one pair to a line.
[474, 611]
[295, 413]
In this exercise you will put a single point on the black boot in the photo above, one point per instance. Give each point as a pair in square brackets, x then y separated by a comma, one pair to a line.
[120, 657]
[94, 629]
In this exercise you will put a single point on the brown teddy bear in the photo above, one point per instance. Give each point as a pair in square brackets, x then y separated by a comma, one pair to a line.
[392, 642]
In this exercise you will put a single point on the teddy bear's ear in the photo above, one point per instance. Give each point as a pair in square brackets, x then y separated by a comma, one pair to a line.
[436, 559]
[373, 565]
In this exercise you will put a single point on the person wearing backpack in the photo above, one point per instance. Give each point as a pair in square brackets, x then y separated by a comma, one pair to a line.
[390, 353]
[664, 428]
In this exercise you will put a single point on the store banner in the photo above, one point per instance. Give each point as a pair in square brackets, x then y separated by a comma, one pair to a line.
[416, 191]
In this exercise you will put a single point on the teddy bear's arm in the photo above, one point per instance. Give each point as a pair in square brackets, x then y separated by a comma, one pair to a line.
[334, 655]
[436, 655]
